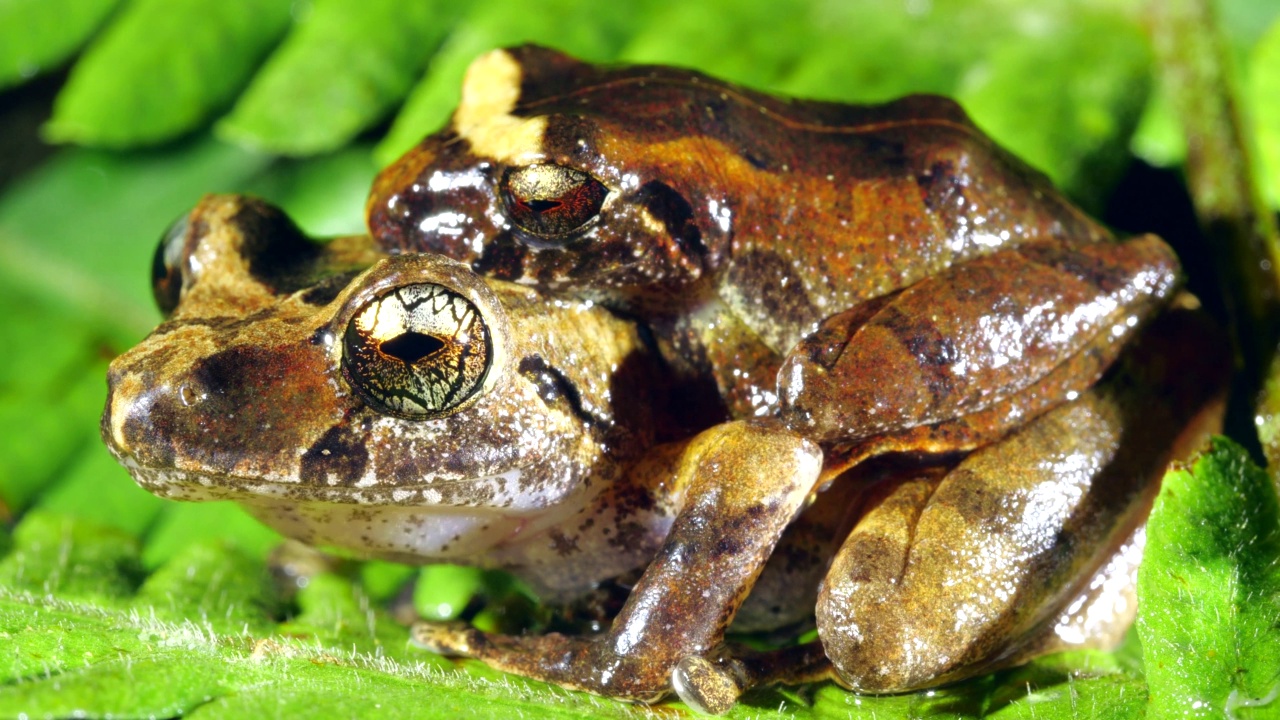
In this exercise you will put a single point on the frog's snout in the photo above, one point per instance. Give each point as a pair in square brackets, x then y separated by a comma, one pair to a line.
[224, 412]
[128, 427]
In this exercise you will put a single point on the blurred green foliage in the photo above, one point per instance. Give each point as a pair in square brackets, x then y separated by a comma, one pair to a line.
[117, 603]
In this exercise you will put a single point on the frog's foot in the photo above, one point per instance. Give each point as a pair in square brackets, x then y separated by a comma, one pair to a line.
[592, 665]
[709, 684]
[586, 664]
[713, 684]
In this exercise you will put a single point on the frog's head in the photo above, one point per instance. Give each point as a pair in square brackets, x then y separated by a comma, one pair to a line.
[411, 409]
[557, 173]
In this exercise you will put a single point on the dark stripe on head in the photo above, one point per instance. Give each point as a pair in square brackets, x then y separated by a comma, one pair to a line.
[553, 386]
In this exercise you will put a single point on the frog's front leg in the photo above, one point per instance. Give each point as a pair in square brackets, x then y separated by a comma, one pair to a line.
[941, 581]
[738, 485]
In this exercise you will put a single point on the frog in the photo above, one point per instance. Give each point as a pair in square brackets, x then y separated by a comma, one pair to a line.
[502, 427]
[400, 408]
[883, 281]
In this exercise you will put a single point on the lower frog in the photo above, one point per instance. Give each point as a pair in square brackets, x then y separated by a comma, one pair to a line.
[403, 407]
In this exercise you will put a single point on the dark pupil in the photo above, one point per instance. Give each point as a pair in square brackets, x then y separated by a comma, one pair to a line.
[541, 206]
[411, 347]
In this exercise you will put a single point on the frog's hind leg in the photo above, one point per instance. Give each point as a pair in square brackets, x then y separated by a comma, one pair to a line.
[737, 485]
[935, 585]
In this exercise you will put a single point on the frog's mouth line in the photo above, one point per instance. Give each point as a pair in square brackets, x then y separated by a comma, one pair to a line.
[495, 492]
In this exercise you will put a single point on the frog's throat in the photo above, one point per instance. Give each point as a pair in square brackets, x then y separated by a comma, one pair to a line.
[503, 492]
[484, 116]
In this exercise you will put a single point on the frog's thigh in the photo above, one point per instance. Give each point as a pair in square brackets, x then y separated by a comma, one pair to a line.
[741, 484]
[932, 587]
[965, 339]
[985, 565]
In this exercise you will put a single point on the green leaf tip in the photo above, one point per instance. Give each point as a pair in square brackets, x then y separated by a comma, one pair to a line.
[337, 73]
[1209, 590]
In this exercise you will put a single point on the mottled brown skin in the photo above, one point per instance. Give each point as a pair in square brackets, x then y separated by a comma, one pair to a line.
[877, 279]
[786, 211]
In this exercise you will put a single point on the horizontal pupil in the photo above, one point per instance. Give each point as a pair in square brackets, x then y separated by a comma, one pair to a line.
[411, 347]
[540, 206]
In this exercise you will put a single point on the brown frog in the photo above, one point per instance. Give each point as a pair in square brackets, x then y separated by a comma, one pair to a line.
[883, 281]
[416, 411]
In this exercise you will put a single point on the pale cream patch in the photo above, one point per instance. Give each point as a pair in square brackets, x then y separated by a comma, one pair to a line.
[126, 392]
[490, 92]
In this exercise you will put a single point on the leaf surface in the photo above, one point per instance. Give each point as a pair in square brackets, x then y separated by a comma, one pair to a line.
[1209, 590]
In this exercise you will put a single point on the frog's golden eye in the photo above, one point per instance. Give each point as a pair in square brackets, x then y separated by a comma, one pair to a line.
[418, 351]
[551, 201]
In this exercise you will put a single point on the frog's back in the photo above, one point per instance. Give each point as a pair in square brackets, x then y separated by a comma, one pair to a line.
[903, 188]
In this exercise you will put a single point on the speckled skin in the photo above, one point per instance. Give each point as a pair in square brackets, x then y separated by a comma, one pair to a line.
[882, 280]
[877, 301]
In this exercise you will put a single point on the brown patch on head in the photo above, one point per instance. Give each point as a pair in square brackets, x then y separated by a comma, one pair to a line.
[339, 457]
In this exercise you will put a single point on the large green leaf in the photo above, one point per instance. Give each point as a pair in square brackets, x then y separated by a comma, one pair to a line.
[95, 636]
[36, 35]
[162, 67]
[1264, 94]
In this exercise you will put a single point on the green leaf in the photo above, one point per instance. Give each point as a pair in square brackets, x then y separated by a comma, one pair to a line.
[162, 67]
[37, 35]
[196, 640]
[1209, 590]
[183, 524]
[55, 555]
[1067, 107]
[1264, 94]
[214, 581]
[580, 27]
[443, 591]
[96, 488]
[324, 194]
[342, 68]
[723, 39]
[50, 389]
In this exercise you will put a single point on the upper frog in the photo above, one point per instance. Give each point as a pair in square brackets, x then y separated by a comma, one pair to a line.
[663, 190]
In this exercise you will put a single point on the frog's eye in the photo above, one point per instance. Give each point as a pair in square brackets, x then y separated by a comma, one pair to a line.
[550, 201]
[166, 266]
[418, 351]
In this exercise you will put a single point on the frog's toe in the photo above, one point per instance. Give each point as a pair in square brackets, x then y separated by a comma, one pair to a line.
[707, 687]
[447, 638]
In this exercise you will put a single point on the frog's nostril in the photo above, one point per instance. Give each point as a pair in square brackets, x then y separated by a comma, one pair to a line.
[190, 395]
